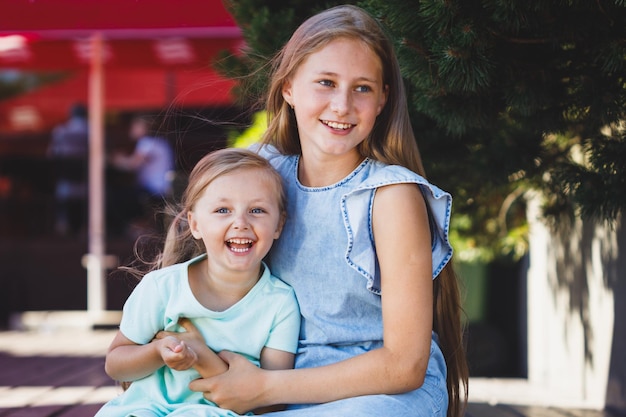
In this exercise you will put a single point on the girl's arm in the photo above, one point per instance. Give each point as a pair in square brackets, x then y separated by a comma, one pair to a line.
[403, 247]
[274, 359]
[128, 361]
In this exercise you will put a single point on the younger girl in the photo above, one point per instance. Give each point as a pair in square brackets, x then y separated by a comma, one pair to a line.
[365, 245]
[211, 273]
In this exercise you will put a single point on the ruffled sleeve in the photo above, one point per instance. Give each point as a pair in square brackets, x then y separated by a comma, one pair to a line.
[357, 212]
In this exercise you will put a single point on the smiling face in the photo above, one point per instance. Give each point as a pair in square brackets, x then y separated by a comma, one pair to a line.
[237, 216]
[337, 93]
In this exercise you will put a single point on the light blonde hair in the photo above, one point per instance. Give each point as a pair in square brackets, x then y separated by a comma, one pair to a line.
[391, 141]
[180, 245]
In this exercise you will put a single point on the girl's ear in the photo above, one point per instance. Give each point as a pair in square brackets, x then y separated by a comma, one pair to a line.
[287, 94]
[281, 223]
[193, 225]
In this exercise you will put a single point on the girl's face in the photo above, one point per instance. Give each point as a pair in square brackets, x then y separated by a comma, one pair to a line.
[337, 93]
[237, 217]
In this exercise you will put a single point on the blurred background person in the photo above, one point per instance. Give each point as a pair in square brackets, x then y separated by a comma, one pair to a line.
[68, 150]
[152, 163]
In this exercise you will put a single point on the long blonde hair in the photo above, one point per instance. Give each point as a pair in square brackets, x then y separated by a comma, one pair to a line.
[391, 141]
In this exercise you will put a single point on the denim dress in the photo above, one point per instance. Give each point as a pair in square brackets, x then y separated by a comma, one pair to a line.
[326, 253]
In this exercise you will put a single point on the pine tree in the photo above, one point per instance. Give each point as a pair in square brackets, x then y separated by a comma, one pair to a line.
[498, 78]
[505, 96]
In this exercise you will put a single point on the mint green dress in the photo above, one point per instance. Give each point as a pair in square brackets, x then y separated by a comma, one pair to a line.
[268, 316]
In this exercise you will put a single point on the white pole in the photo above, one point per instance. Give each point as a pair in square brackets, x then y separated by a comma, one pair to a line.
[95, 260]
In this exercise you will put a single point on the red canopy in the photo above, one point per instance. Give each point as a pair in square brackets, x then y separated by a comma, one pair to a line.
[136, 39]
[165, 49]
[155, 53]
[125, 90]
[84, 16]
[55, 34]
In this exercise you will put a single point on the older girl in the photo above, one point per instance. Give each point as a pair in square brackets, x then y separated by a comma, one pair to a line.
[365, 245]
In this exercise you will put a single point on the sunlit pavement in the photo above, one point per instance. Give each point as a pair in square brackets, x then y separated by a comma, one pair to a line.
[54, 359]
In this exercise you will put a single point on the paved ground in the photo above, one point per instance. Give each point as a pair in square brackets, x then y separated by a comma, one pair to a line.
[57, 372]
[53, 373]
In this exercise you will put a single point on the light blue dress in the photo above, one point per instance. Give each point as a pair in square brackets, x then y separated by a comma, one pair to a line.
[326, 253]
[267, 316]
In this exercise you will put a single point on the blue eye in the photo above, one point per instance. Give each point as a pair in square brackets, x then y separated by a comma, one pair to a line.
[257, 210]
[326, 83]
[222, 210]
[363, 89]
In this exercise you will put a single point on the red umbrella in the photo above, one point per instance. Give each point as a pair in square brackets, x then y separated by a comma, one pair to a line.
[152, 51]
[126, 89]
[99, 36]
[84, 16]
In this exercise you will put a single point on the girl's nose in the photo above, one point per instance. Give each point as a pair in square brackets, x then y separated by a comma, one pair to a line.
[341, 102]
[241, 223]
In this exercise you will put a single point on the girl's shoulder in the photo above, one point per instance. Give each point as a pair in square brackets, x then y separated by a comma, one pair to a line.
[171, 274]
[274, 283]
[281, 287]
[272, 154]
[381, 174]
[356, 205]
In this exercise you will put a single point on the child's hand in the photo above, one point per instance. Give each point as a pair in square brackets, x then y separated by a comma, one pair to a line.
[191, 336]
[176, 354]
[207, 362]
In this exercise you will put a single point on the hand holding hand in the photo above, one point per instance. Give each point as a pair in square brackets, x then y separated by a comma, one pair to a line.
[191, 336]
[207, 362]
[238, 389]
[176, 354]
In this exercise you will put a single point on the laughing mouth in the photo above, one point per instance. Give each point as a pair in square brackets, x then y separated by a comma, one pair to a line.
[337, 125]
[239, 245]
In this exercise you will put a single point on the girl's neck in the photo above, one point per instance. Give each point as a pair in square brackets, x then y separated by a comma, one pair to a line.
[218, 292]
[321, 172]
